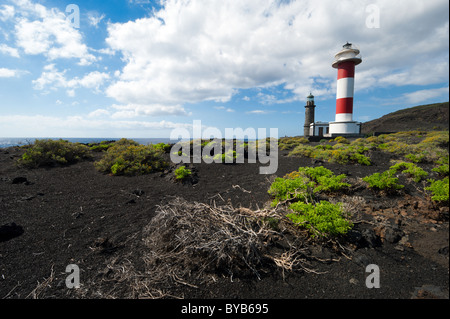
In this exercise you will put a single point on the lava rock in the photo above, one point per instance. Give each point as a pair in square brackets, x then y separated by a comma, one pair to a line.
[20, 180]
[354, 237]
[393, 235]
[138, 192]
[9, 231]
[443, 250]
[362, 260]
[370, 239]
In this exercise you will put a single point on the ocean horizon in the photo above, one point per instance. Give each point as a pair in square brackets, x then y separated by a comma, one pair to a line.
[20, 141]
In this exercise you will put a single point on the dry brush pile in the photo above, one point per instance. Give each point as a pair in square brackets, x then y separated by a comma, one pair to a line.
[190, 244]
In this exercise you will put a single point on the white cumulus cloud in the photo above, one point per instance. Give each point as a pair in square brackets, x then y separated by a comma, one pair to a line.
[52, 78]
[194, 51]
[39, 30]
[6, 12]
[5, 49]
[8, 73]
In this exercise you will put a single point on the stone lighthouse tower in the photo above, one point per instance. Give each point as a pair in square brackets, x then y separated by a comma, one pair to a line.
[345, 61]
[309, 115]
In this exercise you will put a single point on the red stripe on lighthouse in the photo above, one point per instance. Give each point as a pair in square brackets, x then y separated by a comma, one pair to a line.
[344, 105]
[346, 70]
[344, 101]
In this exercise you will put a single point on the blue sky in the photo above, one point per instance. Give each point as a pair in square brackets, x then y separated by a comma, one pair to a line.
[138, 68]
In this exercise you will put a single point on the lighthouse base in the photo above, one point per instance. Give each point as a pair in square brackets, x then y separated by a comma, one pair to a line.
[349, 128]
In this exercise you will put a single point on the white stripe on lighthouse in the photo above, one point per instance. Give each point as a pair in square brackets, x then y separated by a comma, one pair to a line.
[345, 88]
[344, 117]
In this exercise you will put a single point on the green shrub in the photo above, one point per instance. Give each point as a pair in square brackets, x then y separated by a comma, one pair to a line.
[325, 180]
[100, 147]
[361, 159]
[49, 152]
[304, 183]
[439, 190]
[127, 157]
[322, 219]
[182, 172]
[339, 153]
[287, 143]
[442, 167]
[290, 188]
[411, 169]
[416, 146]
[162, 147]
[126, 142]
[324, 147]
[227, 157]
[383, 181]
[397, 147]
[342, 140]
[416, 158]
[437, 139]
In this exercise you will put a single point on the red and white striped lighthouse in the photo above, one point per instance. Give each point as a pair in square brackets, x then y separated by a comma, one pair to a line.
[345, 61]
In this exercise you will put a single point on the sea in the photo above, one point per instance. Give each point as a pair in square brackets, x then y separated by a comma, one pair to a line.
[17, 141]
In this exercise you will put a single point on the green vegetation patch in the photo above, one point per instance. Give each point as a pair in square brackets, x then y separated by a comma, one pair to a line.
[322, 219]
[101, 147]
[304, 183]
[439, 190]
[49, 152]
[127, 157]
[410, 169]
[342, 152]
[442, 166]
[288, 143]
[162, 147]
[416, 146]
[383, 181]
[182, 173]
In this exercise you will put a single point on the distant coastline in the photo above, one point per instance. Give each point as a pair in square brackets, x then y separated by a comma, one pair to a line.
[17, 141]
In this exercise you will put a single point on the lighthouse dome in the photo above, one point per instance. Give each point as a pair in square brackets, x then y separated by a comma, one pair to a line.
[349, 52]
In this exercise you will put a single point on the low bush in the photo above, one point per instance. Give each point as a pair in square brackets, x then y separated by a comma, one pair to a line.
[323, 219]
[182, 173]
[410, 169]
[339, 153]
[437, 139]
[102, 146]
[324, 179]
[397, 147]
[162, 147]
[288, 143]
[298, 187]
[416, 158]
[228, 157]
[127, 157]
[305, 183]
[49, 152]
[324, 147]
[342, 140]
[415, 146]
[383, 181]
[439, 190]
[442, 167]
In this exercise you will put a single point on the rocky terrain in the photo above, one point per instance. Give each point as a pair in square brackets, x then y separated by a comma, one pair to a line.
[424, 117]
[74, 215]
